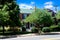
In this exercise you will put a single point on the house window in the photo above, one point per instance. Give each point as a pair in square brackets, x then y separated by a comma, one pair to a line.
[22, 16]
[27, 15]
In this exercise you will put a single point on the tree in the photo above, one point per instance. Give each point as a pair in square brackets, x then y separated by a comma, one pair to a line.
[57, 16]
[41, 18]
[4, 17]
[9, 13]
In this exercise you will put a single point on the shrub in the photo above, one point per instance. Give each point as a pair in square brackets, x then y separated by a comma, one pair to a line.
[46, 29]
[55, 27]
[52, 27]
[59, 24]
[23, 29]
[17, 29]
[7, 28]
[1, 29]
[34, 30]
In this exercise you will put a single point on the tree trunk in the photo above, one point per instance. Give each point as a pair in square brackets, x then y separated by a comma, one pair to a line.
[13, 29]
[39, 31]
[3, 30]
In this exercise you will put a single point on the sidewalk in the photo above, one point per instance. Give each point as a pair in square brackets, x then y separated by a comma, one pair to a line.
[25, 35]
[51, 33]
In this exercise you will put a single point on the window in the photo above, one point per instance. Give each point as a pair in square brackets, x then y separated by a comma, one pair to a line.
[22, 16]
[27, 15]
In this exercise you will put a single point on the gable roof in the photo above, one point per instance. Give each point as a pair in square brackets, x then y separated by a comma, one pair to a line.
[26, 10]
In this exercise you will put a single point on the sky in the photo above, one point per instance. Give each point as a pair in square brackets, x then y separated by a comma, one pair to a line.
[28, 4]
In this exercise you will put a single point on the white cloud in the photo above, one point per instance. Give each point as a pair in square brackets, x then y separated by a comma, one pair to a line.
[26, 6]
[32, 2]
[48, 5]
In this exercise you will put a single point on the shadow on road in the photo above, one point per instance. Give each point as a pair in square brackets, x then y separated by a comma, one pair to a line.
[11, 36]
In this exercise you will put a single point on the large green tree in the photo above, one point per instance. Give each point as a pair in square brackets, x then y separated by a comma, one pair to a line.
[41, 18]
[9, 13]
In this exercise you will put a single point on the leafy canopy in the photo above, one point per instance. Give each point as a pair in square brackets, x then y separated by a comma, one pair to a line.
[9, 12]
[40, 17]
[58, 15]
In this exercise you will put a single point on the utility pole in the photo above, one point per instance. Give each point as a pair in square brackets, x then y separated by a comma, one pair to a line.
[55, 8]
[35, 8]
[34, 5]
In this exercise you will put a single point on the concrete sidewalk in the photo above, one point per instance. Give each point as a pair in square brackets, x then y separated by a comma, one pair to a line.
[51, 33]
[25, 35]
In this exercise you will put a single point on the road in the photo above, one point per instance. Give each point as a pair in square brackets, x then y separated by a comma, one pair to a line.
[40, 37]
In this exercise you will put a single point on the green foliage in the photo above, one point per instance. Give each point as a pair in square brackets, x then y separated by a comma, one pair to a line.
[46, 29]
[55, 27]
[4, 17]
[34, 30]
[59, 24]
[58, 15]
[1, 29]
[40, 17]
[9, 12]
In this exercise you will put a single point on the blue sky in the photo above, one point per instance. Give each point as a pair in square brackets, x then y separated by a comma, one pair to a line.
[27, 4]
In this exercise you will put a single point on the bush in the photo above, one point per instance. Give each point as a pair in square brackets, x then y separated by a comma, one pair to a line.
[55, 28]
[1, 29]
[59, 24]
[23, 29]
[34, 30]
[46, 29]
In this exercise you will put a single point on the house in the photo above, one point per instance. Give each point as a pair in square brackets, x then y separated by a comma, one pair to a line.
[24, 13]
[53, 13]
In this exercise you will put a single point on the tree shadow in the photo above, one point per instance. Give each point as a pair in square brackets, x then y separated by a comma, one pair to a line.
[10, 36]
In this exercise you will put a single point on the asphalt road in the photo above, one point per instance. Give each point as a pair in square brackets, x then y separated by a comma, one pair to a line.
[40, 37]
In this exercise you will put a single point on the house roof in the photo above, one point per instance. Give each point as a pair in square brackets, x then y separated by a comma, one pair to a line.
[26, 10]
